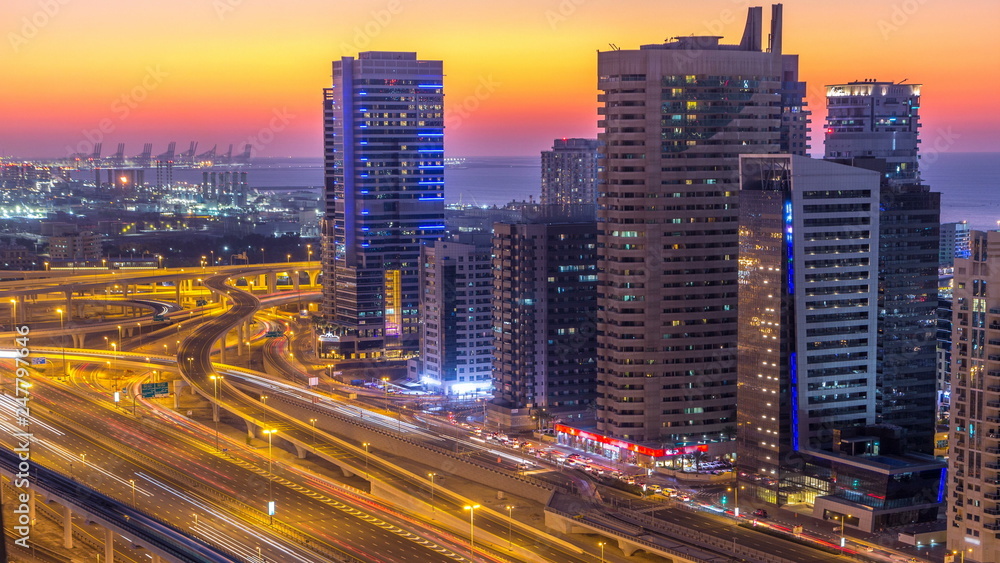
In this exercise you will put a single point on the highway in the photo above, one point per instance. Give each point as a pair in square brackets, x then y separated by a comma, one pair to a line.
[317, 510]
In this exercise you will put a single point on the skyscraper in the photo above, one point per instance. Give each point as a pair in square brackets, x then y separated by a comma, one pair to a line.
[675, 118]
[545, 305]
[807, 311]
[569, 172]
[875, 125]
[384, 171]
[875, 119]
[456, 302]
[974, 459]
[808, 377]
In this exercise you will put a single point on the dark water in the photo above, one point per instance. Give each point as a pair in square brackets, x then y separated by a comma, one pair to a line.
[969, 182]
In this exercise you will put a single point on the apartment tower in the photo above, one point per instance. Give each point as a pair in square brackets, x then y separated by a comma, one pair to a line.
[384, 170]
[674, 119]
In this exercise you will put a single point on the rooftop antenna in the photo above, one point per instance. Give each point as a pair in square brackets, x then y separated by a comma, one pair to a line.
[903, 80]
[614, 47]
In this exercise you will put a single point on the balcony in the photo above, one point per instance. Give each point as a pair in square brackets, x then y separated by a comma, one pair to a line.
[992, 511]
[993, 526]
[993, 419]
[994, 388]
[992, 465]
[994, 404]
[992, 496]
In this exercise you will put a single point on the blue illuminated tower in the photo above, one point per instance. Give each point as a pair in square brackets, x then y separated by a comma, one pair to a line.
[384, 173]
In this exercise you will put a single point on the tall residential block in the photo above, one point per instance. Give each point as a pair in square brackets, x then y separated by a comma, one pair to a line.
[569, 172]
[974, 458]
[675, 118]
[954, 243]
[808, 428]
[909, 224]
[456, 304]
[545, 308]
[807, 308]
[875, 119]
[384, 171]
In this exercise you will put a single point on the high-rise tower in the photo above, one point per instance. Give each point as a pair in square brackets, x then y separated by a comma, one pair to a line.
[384, 170]
[875, 119]
[569, 172]
[675, 118]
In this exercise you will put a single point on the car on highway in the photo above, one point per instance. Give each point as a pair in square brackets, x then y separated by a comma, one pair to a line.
[760, 513]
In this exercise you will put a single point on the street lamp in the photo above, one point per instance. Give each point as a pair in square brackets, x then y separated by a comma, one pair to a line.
[365, 445]
[602, 551]
[270, 482]
[263, 400]
[13, 313]
[472, 525]
[736, 499]
[432, 476]
[313, 422]
[385, 386]
[955, 552]
[133, 490]
[215, 383]
[510, 526]
[843, 523]
[309, 250]
[62, 329]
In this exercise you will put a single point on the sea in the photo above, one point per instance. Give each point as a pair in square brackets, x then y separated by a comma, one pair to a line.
[969, 182]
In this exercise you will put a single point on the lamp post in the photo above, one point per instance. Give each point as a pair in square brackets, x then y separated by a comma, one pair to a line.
[263, 400]
[215, 382]
[133, 490]
[432, 476]
[313, 422]
[472, 525]
[114, 358]
[736, 499]
[13, 313]
[510, 526]
[365, 446]
[602, 551]
[309, 251]
[62, 329]
[270, 483]
[385, 387]
[955, 552]
[138, 326]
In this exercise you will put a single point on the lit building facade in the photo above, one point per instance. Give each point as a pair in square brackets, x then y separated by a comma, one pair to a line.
[674, 119]
[384, 171]
[569, 172]
[456, 303]
[974, 457]
[545, 308]
[954, 243]
[875, 119]
[808, 378]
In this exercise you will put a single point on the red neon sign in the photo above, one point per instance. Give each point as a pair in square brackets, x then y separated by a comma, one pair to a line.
[644, 450]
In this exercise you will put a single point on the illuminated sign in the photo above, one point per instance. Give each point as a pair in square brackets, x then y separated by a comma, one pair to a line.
[662, 452]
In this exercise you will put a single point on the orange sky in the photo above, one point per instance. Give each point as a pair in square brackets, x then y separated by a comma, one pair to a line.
[223, 71]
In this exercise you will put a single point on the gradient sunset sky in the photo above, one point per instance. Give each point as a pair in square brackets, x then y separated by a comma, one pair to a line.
[518, 72]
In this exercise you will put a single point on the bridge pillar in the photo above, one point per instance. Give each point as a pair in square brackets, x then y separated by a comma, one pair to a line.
[272, 282]
[178, 387]
[627, 548]
[251, 430]
[67, 527]
[21, 315]
[295, 280]
[177, 292]
[240, 339]
[300, 451]
[69, 304]
[109, 545]
[31, 505]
